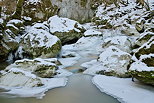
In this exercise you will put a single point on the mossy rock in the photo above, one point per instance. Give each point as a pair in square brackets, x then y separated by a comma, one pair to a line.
[40, 11]
[68, 37]
[143, 39]
[113, 73]
[146, 77]
[34, 52]
[147, 48]
[13, 29]
[46, 71]
[149, 61]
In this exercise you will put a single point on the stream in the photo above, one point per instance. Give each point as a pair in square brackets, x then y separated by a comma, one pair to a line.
[78, 90]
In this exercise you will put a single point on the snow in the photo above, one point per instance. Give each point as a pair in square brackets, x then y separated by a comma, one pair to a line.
[93, 67]
[27, 18]
[15, 21]
[140, 66]
[43, 37]
[59, 24]
[27, 87]
[1, 20]
[124, 89]
[28, 74]
[33, 1]
[37, 92]
[11, 25]
[111, 51]
[92, 32]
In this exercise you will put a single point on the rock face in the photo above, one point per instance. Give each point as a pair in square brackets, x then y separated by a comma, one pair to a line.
[80, 10]
[114, 61]
[65, 29]
[38, 42]
[39, 10]
[28, 73]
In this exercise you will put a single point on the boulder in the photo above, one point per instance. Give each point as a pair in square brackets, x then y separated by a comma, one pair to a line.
[38, 42]
[143, 69]
[114, 61]
[68, 31]
[39, 10]
[28, 73]
[143, 66]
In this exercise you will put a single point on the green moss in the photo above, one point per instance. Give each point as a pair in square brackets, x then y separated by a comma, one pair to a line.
[113, 73]
[17, 14]
[83, 3]
[45, 71]
[144, 76]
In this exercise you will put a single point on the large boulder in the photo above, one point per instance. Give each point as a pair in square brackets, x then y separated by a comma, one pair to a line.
[143, 66]
[114, 61]
[66, 30]
[38, 42]
[143, 69]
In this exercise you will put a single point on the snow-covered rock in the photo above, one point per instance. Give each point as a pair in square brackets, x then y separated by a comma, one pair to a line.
[143, 66]
[144, 38]
[112, 61]
[33, 76]
[38, 42]
[146, 48]
[121, 42]
[9, 37]
[65, 29]
[38, 10]
[115, 60]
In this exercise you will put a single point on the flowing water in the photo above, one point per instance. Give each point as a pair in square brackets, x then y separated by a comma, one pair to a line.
[78, 90]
